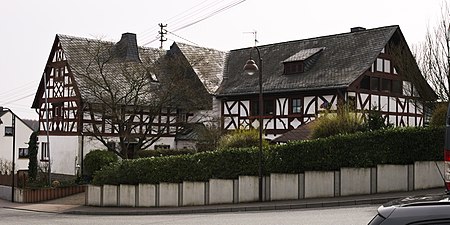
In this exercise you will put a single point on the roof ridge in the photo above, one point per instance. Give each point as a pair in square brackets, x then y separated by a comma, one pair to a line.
[196, 46]
[322, 37]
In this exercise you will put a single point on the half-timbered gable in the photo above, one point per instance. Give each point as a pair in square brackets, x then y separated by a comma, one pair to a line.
[305, 77]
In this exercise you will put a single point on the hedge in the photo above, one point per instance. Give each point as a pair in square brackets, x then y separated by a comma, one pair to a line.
[390, 146]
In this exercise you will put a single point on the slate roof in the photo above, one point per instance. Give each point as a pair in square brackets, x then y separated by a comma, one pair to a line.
[81, 54]
[207, 63]
[343, 59]
[191, 132]
[303, 54]
[304, 132]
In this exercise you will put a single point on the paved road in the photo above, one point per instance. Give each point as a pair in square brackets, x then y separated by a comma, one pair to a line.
[320, 216]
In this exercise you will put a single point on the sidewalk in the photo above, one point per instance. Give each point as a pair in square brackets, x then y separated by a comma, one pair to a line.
[74, 205]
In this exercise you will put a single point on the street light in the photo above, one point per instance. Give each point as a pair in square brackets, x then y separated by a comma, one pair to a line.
[251, 68]
[13, 125]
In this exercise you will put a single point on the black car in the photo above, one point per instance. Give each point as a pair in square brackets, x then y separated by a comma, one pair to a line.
[418, 210]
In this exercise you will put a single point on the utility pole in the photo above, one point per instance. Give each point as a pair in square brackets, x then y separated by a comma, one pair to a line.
[162, 32]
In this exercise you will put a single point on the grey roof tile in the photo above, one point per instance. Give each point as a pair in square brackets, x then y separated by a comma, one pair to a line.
[83, 59]
[207, 63]
[343, 59]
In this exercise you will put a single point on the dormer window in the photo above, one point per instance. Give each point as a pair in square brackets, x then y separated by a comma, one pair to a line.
[301, 61]
[293, 67]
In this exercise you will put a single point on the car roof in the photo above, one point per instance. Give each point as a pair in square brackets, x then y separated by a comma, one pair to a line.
[416, 208]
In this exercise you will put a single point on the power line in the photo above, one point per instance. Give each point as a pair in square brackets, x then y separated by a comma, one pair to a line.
[5, 103]
[210, 15]
[199, 15]
[182, 38]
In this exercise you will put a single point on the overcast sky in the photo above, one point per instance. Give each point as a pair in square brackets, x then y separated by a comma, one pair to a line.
[28, 28]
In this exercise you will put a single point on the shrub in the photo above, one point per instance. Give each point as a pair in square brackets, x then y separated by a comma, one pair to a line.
[387, 146]
[97, 159]
[343, 122]
[164, 152]
[375, 121]
[32, 155]
[439, 114]
[241, 138]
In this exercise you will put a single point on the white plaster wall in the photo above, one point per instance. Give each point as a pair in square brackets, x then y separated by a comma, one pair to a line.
[165, 141]
[63, 153]
[22, 137]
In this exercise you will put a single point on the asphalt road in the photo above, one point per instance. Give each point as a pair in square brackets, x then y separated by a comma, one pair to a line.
[320, 216]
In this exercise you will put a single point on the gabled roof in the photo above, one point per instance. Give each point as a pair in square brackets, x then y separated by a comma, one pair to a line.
[32, 124]
[82, 53]
[79, 53]
[343, 59]
[207, 63]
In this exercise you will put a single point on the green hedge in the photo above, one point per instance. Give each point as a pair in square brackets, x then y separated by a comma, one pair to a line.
[391, 146]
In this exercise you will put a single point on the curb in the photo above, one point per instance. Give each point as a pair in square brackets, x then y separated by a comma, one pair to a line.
[376, 199]
[223, 209]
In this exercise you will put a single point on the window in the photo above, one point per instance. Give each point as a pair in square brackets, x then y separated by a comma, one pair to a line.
[269, 108]
[386, 85]
[9, 131]
[365, 83]
[296, 105]
[44, 151]
[23, 152]
[293, 67]
[387, 66]
[397, 87]
[379, 65]
[374, 83]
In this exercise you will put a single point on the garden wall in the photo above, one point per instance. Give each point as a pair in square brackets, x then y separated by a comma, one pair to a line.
[311, 184]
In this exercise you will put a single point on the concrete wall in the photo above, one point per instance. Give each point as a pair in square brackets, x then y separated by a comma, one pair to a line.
[427, 175]
[146, 195]
[93, 195]
[109, 195]
[127, 195]
[283, 186]
[392, 178]
[355, 181]
[311, 184]
[319, 184]
[168, 194]
[248, 189]
[220, 191]
[193, 193]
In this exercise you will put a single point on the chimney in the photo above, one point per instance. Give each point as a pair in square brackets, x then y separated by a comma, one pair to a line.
[126, 49]
[357, 29]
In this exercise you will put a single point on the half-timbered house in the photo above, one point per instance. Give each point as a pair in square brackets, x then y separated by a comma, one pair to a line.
[77, 114]
[362, 68]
